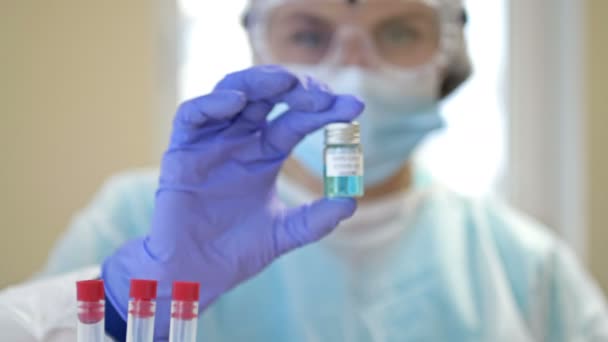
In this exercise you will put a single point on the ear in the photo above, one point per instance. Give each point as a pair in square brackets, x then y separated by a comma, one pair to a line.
[255, 56]
[256, 59]
[458, 70]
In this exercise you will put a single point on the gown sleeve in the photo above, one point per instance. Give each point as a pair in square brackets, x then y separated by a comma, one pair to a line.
[42, 310]
[120, 211]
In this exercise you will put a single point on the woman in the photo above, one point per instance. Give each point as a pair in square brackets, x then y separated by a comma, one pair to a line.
[235, 205]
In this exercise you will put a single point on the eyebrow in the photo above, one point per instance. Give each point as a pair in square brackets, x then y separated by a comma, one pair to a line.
[414, 14]
[304, 18]
[410, 17]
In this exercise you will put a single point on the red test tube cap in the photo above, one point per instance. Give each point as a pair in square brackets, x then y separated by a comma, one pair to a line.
[89, 290]
[143, 289]
[186, 291]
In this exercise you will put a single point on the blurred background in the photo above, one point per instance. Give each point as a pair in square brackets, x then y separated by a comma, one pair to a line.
[88, 89]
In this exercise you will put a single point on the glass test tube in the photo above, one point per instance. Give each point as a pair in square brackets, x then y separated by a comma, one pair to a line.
[184, 312]
[91, 306]
[142, 307]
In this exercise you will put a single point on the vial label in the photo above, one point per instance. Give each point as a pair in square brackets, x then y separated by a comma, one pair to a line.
[343, 163]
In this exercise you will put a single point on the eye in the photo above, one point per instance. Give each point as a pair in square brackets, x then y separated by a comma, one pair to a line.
[308, 38]
[397, 34]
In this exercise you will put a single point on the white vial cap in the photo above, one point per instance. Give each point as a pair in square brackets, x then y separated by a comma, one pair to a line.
[342, 133]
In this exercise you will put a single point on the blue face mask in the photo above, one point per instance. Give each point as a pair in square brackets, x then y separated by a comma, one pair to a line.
[400, 111]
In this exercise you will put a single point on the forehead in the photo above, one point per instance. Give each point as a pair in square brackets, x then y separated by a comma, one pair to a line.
[339, 11]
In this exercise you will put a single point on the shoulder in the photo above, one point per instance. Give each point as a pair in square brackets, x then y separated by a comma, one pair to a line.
[517, 234]
[555, 296]
[559, 298]
[514, 234]
[521, 246]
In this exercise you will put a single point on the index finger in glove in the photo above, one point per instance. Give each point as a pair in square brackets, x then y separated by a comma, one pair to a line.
[217, 106]
[289, 129]
[274, 84]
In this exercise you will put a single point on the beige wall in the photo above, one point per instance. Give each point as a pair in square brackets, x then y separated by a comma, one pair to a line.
[597, 74]
[77, 85]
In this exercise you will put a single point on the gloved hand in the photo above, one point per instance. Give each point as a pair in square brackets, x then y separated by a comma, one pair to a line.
[217, 219]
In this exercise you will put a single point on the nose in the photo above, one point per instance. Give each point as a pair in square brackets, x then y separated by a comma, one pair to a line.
[354, 49]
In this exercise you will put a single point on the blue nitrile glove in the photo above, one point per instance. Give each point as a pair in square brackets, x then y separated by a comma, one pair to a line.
[217, 219]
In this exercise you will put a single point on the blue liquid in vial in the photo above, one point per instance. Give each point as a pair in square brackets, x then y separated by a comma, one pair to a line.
[344, 186]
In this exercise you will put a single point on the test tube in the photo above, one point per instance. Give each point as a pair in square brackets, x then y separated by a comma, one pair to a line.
[142, 307]
[91, 303]
[184, 312]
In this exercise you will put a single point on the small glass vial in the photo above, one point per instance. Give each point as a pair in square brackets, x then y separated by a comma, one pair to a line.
[91, 304]
[343, 161]
[184, 312]
[142, 308]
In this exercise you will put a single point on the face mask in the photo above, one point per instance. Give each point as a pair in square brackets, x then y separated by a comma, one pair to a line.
[400, 110]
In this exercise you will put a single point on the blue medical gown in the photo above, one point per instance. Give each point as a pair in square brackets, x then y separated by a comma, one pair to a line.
[463, 270]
